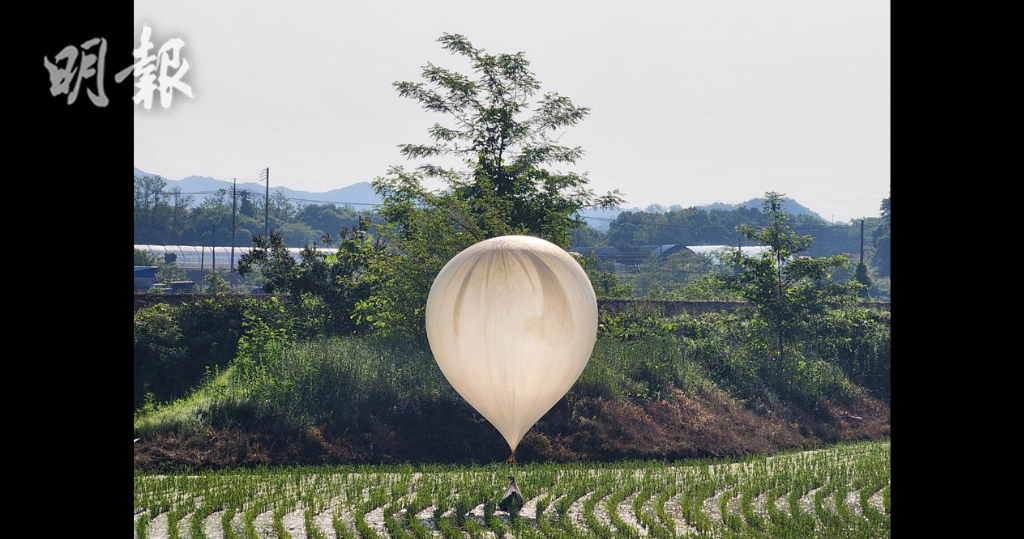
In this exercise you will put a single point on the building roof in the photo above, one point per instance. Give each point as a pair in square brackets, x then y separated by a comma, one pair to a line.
[200, 257]
[634, 255]
[641, 252]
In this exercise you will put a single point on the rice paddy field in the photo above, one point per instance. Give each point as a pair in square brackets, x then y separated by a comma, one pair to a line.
[841, 491]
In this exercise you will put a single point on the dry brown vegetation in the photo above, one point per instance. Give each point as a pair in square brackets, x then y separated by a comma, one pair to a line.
[679, 426]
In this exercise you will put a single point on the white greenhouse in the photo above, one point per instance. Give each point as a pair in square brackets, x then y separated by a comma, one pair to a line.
[205, 258]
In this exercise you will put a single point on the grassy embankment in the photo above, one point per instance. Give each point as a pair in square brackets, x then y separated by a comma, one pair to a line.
[655, 388]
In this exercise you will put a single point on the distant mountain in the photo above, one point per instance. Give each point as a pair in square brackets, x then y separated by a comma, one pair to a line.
[362, 195]
[790, 206]
[358, 195]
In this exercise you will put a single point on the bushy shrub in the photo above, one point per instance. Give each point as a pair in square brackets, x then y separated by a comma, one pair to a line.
[160, 355]
[635, 322]
[177, 346]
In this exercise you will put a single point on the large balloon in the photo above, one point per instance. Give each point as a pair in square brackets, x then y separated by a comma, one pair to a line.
[512, 323]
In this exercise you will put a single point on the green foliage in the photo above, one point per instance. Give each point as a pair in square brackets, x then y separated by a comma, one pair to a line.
[506, 143]
[860, 343]
[343, 383]
[862, 277]
[159, 353]
[215, 284]
[167, 272]
[642, 369]
[329, 282]
[708, 287]
[587, 236]
[680, 275]
[175, 348]
[168, 217]
[636, 322]
[326, 218]
[335, 382]
[144, 258]
[259, 352]
[424, 231]
[794, 297]
[607, 285]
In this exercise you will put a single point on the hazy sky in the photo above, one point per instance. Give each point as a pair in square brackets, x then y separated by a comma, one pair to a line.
[692, 102]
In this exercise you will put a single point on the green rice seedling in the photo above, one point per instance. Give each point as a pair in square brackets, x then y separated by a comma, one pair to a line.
[492, 521]
[175, 515]
[700, 488]
[142, 525]
[377, 498]
[552, 523]
[249, 523]
[541, 506]
[341, 530]
[779, 523]
[873, 515]
[885, 499]
[650, 519]
[731, 520]
[196, 528]
[754, 486]
[420, 501]
[225, 523]
[799, 491]
[393, 525]
[312, 531]
[441, 506]
[590, 515]
[842, 510]
[447, 530]
[279, 528]
[665, 527]
[805, 482]
[827, 519]
[471, 527]
[622, 528]
[565, 502]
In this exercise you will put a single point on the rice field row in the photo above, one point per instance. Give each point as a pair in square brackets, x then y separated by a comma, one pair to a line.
[843, 491]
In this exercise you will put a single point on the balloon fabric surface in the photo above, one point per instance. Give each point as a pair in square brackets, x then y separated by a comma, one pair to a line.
[512, 322]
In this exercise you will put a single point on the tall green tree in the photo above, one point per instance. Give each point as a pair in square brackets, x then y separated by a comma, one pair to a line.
[505, 133]
[791, 292]
[506, 139]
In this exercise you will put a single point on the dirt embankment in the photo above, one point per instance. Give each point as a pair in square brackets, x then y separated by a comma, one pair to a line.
[679, 426]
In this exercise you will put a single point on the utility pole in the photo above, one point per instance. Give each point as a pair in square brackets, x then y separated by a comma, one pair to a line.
[266, 208]
[234, 210]
[862, 240]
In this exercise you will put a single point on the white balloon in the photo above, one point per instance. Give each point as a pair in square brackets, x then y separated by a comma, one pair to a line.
[512, 323]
